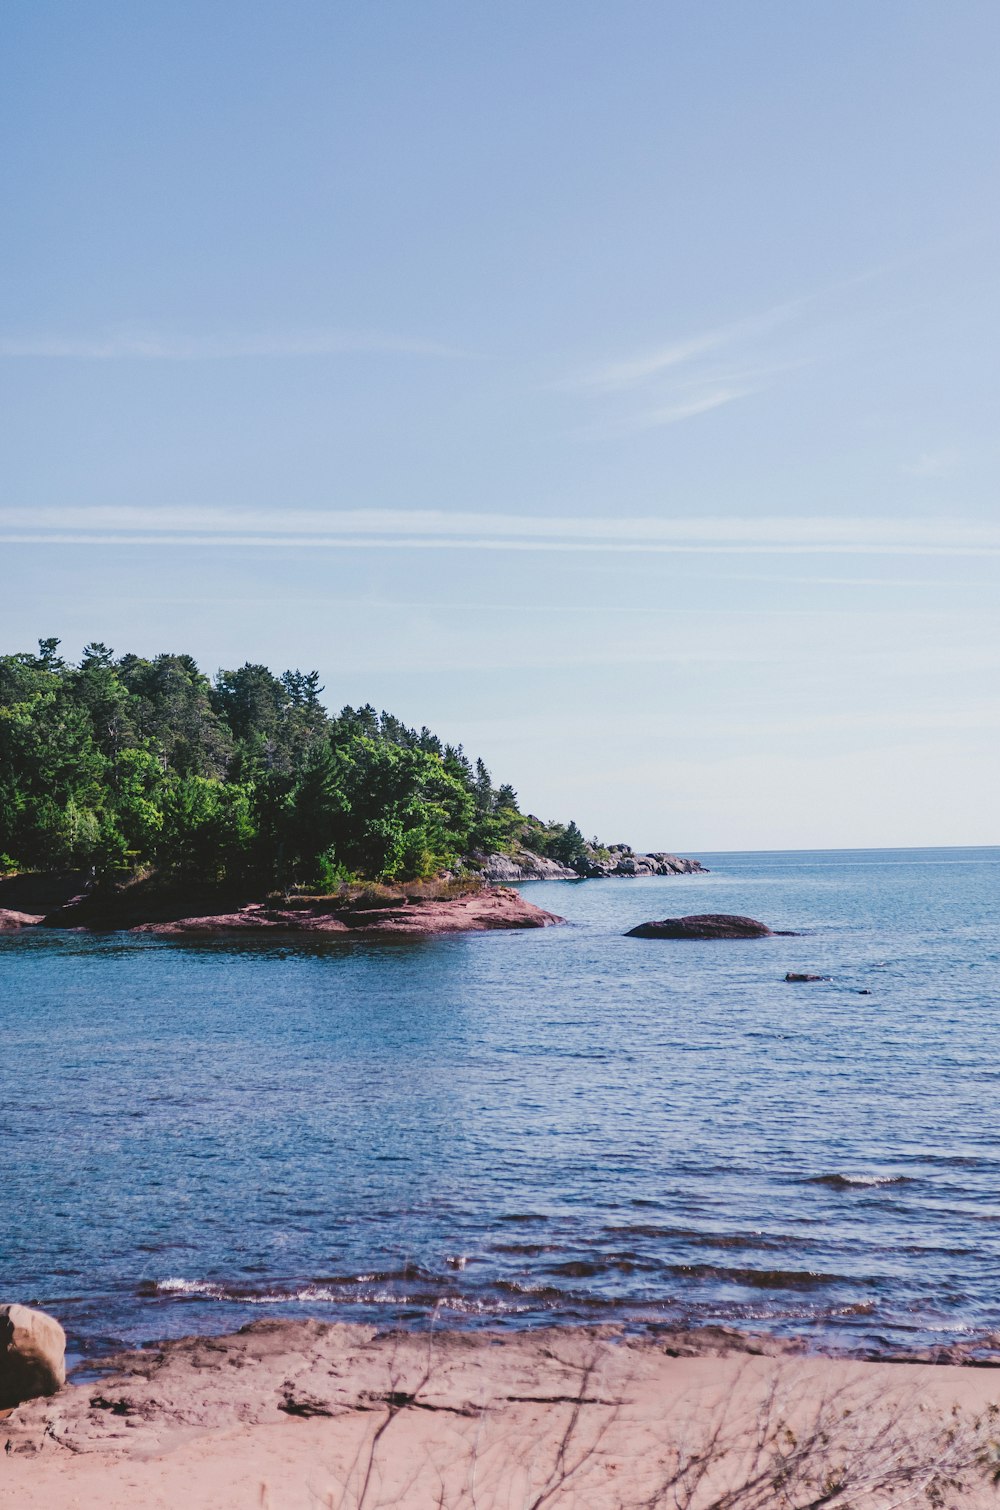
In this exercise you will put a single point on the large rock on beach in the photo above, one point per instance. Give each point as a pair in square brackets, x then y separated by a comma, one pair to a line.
[32, 1355]
[704, 925]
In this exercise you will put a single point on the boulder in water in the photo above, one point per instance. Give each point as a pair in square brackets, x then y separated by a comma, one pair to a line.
[704, 925]
[32, 1355]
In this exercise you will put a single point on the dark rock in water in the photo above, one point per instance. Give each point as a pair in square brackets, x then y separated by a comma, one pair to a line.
[706, 925]
[794, 975]
[864, 992]
[32, 1355]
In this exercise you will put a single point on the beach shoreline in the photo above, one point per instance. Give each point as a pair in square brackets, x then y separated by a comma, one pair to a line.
[303, 1414]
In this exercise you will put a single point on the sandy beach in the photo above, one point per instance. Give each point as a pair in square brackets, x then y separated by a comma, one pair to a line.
[301, 1415]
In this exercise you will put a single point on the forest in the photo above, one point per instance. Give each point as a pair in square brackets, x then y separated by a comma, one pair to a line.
[125, 766]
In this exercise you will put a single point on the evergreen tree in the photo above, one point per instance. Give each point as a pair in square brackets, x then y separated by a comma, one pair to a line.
[119, 763]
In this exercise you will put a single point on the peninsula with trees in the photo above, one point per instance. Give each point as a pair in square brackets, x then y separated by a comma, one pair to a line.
[144, 780]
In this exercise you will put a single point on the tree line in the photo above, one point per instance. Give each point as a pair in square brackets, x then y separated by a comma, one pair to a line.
[123, 764]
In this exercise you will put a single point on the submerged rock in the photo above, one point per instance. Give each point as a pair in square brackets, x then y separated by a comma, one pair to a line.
[799, 976]
[705, 925]
[32, 1355]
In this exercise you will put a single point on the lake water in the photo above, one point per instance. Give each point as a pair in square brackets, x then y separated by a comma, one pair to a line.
[518, 1128]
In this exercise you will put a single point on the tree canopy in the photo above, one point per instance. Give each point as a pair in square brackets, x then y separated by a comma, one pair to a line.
[117, 764]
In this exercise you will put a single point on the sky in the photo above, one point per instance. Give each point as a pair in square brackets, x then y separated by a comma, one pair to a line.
[611, 387]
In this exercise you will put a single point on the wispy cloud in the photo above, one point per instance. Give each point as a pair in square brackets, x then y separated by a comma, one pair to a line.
[166, 346]
[644, 366]
[686, 408]
[445, 530]
[711, 369]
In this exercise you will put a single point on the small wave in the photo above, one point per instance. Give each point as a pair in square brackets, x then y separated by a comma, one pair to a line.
[193, 1287]
[525, 1250]
[580, 1268]
[204, 1289]
[588, 1268]
[699, 1238]
[959, 1160]
[649, 1229]
[765, 1279]
[469, 1305]
[858, 1181]
[355, 1288]
[307, 1295]
[536, 1291]
[550, 1297]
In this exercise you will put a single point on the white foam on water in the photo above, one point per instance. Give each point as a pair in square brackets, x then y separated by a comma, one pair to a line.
[189, 1287]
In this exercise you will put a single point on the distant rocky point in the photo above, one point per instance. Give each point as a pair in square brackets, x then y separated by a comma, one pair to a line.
[616, 860]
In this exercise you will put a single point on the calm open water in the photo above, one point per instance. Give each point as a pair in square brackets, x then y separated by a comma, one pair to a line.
[518, 1128]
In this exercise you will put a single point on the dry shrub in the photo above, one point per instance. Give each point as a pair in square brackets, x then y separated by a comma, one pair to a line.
[852, 1449]
[445, 890]
[364, 894]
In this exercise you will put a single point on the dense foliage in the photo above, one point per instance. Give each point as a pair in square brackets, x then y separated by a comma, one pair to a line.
[124, 764]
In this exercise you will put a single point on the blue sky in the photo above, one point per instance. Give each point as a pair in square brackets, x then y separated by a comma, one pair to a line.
[611, 387]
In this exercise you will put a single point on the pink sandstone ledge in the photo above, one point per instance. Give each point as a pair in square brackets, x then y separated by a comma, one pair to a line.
[493, 907]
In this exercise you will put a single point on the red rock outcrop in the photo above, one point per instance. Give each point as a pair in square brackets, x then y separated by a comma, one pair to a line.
[11, 921]
[133, 911]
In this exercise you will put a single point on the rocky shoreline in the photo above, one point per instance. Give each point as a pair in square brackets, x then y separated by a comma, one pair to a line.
[622, 861]
[71, 902]
[133, 911]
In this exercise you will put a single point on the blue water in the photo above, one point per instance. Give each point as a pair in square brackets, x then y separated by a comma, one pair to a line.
[517, 1128]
